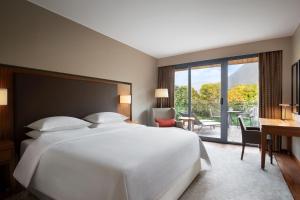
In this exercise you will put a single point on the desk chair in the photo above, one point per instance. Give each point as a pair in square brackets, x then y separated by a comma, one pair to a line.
[252, 135]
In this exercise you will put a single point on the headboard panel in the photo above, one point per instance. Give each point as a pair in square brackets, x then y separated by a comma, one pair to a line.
[37, 96]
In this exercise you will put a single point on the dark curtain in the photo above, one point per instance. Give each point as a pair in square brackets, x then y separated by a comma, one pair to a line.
[270, 88]
[166, 79]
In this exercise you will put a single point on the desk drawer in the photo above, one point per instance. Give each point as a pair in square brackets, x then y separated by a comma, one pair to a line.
[5, 155]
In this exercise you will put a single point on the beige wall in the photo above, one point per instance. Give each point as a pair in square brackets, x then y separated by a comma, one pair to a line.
[296, 57]
[296, 45]
[34, 37]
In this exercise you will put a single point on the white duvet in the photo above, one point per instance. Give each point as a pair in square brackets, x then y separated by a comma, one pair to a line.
[117, 161]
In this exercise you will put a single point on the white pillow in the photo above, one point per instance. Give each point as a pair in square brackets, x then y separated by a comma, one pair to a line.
[105, 117]
[36, 134]
[58, 123]
[109, 125]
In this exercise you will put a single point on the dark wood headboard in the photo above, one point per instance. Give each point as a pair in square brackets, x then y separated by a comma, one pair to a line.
[35, 94]
[40, 96]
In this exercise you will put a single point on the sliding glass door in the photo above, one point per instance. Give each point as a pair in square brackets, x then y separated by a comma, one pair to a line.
[242, 93]
[210, 95]
[205, 100]
[199, 96]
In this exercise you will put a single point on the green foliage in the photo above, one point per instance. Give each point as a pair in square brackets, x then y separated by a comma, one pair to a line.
[243, 96]
[206, 101]
[181, 98]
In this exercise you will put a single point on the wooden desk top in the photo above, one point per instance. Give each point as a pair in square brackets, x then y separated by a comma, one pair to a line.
[279, 122]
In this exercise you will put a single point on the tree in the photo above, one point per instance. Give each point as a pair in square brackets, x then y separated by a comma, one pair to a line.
[240, 97]
[243, 96]
[181, 98]
[209, 95]
[210, 92]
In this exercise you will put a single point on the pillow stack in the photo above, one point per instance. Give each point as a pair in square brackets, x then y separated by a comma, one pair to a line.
[105, 117]
[55, 124]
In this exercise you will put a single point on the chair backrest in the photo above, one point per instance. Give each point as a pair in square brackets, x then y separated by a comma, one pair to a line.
[183, 114]
[214, 113]
[211, 113]
[163, 113]
[251, 136]
[197, 121]
[242, 124]
[243, 128]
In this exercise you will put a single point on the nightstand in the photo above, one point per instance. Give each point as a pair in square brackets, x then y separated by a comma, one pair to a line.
[7, 161]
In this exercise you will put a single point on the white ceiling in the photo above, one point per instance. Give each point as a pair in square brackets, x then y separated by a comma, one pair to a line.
[164, 28]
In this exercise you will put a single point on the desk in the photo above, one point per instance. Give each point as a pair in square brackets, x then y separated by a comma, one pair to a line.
[279, 127]
[190, 121]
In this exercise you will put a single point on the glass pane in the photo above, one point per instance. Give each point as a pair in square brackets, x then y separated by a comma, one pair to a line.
[242, 96]
[206, 93]
[181, 93]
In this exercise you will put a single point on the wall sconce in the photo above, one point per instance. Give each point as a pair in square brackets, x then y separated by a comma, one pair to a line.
[3, 96]
[126, 99]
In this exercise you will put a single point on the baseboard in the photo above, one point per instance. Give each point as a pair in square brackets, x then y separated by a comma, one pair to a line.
[291, 154]
[295, 158]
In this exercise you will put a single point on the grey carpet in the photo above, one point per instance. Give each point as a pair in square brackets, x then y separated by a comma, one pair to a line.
[233, 179]
[230, 178]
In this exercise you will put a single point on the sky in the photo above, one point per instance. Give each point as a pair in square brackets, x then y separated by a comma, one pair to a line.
[202, 76]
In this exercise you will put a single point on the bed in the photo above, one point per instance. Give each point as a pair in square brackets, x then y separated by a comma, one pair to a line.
[114, 161]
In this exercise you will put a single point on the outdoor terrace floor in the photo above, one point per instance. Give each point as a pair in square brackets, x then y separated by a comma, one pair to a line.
[234, 133]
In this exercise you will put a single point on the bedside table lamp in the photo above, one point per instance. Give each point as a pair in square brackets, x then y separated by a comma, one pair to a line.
[3, 96]
[284, 106]
[161, 93]
[125, 99]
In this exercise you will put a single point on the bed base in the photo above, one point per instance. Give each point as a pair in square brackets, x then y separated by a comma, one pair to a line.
[174, 191]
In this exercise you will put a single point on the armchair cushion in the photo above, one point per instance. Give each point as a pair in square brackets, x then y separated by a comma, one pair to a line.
[166, 122]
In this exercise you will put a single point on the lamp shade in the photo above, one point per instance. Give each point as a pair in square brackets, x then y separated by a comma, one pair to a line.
[3, 96]
[161, 93]
[125, 99]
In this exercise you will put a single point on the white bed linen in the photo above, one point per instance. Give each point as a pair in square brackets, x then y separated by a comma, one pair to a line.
[116, 161]
[24, 145]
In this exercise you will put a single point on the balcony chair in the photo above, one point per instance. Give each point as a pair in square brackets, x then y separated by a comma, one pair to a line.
[200, 123]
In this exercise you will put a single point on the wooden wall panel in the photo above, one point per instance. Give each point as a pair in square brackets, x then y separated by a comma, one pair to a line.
[6, 81]
[6, 111]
